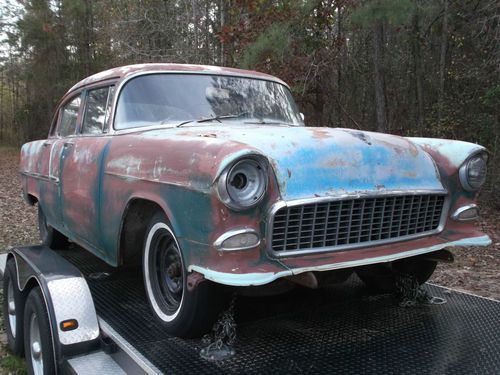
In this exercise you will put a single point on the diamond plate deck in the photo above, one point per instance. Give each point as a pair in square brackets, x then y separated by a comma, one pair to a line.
[342, 329]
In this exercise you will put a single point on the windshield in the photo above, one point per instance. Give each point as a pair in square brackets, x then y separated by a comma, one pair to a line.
[176, 98]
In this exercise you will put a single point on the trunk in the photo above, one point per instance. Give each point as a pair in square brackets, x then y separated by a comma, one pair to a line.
[442, 60]
[208, 59]
[378, 76]
[195, 23]
[88, 42]
[2, 118]
[339, 70]
[418, 71]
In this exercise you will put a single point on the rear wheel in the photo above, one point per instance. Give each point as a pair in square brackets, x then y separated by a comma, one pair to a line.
[183, 312]
[50, 236]
[37, 335]
[13, 309]
[383, 276]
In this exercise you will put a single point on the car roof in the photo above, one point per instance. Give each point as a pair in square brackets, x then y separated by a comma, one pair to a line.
[123, 72]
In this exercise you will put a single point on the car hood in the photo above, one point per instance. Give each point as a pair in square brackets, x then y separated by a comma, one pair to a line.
[314, 162]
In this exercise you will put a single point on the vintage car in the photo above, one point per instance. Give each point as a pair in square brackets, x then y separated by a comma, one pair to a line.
[208, 178]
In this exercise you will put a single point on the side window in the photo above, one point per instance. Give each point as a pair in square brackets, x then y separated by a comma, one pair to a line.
[69, 114]
[97, 110]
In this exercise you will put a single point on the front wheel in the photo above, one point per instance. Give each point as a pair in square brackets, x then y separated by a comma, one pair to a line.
[37, 336]
[183, 313]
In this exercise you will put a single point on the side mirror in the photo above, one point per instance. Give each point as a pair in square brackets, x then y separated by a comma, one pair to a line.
[302, 116]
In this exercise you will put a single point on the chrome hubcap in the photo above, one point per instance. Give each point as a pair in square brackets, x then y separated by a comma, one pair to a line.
[36, 346]
[11, 304]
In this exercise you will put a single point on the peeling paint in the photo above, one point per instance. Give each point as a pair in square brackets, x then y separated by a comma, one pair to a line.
[86, 189]
[254, 278]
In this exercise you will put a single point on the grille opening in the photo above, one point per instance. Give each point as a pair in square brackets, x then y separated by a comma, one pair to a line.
[354, 221]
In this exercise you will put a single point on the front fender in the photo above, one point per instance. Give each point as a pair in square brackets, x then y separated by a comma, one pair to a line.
[448, 154]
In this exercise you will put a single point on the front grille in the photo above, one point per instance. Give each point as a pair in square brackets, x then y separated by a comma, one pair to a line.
[346, 223]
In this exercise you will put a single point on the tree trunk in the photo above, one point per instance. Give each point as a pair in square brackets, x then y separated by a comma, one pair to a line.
[418, 71]
[339, 69]
[378, 76]
[442, 60]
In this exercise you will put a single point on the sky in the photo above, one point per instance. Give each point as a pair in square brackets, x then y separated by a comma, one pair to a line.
[8, 15]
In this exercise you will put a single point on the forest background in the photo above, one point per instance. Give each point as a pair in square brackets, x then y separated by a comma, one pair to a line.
[409, 67]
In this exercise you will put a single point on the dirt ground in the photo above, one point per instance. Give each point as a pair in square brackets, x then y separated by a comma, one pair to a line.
[475, 270]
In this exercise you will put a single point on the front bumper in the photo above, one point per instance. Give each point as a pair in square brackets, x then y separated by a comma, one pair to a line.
[380, 254]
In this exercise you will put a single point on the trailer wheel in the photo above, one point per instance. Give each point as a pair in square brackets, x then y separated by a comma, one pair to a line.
[382, 277]
[183, 313]
[13, 309]
[50, 236]
[37, 335]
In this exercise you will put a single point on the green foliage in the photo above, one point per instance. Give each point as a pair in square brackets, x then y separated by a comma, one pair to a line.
[13, 365]
[492, 97]
[272, 44]
[394, 12]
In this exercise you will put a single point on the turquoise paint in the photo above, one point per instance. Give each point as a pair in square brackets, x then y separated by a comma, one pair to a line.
[111, 256]
[455, 151]
[312, 162]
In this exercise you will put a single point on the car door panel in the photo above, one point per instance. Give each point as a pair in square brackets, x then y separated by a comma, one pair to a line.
[80, 187]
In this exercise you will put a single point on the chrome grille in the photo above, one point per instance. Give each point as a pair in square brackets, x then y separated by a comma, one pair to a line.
[345, 223]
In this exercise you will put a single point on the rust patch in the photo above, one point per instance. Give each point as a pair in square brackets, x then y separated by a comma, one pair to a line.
[336, 162]
[289, 172]
[194, 279]
[319, 133]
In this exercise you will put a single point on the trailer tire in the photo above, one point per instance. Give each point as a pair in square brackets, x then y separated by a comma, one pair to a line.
[13, 309]
[183, 312]
[48, 235]
[382, 277]
[37, 335]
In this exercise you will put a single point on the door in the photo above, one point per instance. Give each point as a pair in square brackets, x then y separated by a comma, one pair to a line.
[51, 159]
[80, 173]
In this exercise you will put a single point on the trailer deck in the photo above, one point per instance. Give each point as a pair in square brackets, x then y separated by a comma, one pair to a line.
[341, 329]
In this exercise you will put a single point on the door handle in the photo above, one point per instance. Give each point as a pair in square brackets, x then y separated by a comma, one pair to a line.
[46, 144]
[68, 144]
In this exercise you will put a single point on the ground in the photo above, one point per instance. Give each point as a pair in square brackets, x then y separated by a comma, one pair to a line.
[475, 270]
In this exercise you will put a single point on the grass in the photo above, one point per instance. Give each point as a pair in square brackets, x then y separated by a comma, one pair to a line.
[13, 365]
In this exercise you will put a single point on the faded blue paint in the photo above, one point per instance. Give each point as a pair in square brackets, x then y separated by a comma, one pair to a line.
[312, 162]
[455, 151]
[261, 278]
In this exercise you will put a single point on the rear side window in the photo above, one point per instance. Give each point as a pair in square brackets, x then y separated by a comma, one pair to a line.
[69, 114]
[97, 110]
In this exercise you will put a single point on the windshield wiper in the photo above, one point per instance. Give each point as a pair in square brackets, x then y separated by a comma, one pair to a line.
[214, 118]
[262, 122]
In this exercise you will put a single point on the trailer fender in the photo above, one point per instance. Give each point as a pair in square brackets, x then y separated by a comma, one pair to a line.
[67, 298]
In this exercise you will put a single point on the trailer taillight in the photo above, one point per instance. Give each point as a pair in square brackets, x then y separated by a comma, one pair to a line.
[68, 325]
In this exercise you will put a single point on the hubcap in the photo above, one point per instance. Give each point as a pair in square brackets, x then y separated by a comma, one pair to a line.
[11, 304]
[36, 346]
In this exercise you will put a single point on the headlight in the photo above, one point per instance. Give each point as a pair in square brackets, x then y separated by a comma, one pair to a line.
[473, 172]
[243, 185]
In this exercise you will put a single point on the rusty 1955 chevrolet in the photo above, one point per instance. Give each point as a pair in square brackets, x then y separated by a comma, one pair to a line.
[208, 177]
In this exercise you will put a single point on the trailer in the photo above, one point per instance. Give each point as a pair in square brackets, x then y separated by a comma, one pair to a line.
[83, 317]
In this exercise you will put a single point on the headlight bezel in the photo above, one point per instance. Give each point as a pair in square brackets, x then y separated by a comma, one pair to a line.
[224, 189]
[465, 169]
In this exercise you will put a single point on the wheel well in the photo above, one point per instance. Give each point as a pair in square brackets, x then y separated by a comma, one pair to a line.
[31, 199]
[135, 222]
